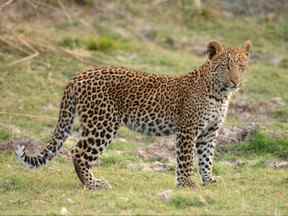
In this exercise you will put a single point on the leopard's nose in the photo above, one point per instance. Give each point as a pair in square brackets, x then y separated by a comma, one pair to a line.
[234, 84]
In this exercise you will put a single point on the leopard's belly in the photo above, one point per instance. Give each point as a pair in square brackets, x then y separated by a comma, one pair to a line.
[151, 125]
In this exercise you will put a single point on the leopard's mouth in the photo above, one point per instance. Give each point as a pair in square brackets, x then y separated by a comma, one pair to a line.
[232, 86]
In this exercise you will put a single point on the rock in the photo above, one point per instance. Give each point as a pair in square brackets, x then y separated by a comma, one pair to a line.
[228, 15]
[64, 211]
[278, 102]
[235, 163]
[159, 167]
[166, 196]
[48, 107]
[70, 201]
[282, 165]
[148, 33]
[121, 139]
[276, 164]
[276, 60]
[151, 167]
[170, 42]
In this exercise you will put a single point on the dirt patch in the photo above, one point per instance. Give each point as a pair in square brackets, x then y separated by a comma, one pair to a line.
[164, 148]
[255, 112]
[235, 135]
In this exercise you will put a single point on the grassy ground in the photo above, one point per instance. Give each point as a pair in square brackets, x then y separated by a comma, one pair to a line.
[251, 189]
[31, 92]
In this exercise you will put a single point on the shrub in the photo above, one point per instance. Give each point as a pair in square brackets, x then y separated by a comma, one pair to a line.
[263, 144]
[101, 43]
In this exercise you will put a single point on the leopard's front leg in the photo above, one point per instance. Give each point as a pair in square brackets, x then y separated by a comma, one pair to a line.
[185, 152]
[205, 145]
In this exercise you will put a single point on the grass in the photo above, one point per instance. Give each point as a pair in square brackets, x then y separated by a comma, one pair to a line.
[262, 144]
[4, 135]
[137, 192]
[93, 43]
[31, 92]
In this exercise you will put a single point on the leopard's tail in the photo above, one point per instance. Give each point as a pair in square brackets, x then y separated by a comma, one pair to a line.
[60, 134]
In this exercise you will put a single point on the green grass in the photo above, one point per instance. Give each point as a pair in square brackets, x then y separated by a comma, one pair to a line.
[137, 192]
[262, 144]
[102, 43]
[4, 135]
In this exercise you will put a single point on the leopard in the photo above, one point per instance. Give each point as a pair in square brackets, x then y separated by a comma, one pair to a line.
[190, 106]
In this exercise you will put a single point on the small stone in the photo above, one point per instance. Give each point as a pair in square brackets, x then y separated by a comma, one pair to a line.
[48, 107]
[159, 167]
[70, 201]
[283, 165]
[275, 164]
[148, 33]
[134, 167]
[276, 60]
[64, 211]
[122, 139]
[166, 196]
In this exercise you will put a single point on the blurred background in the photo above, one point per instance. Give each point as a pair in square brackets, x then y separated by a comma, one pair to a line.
[43, 43]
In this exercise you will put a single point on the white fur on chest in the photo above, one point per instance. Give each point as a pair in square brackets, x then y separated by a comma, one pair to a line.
[216, 112]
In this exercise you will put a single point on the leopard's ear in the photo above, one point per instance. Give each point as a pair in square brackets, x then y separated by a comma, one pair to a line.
[247, 46]
[214, 48]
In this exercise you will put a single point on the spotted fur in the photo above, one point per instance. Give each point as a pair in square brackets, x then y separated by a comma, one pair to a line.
[192, 106]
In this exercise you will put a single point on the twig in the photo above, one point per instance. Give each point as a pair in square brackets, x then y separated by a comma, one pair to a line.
[43, 4]
[24, 59]
[6, 4]
[64, 10]
[75, 56]
[25, 43]
[30, 2]
[10, 43]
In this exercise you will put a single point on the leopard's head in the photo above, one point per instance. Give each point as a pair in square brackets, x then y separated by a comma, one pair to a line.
[228, 64]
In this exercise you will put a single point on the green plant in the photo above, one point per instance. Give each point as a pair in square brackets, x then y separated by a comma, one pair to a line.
[263, 144]
[102, 43]
[4, 135]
